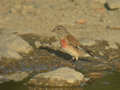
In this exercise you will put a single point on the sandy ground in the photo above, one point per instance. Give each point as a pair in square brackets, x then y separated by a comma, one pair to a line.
[86, 19]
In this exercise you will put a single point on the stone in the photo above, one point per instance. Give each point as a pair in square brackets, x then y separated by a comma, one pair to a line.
[37, 44]
[116, 65]
[112, 45]
[8, 53]
[101, 1]
[16, 43]
[87, 42]
[95, 75]
[53, 45]
[3, 79]
[11, 45]
[56, 45]
[60, 77]
[17, 76]
[113, 4]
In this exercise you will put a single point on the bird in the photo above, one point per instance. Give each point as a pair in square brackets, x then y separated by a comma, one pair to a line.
[69, 43]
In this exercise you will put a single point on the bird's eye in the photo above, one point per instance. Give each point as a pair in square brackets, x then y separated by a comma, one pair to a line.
[60, 27]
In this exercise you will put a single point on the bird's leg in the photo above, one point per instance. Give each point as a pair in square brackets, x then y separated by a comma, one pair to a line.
[73, 59]
[76, 58]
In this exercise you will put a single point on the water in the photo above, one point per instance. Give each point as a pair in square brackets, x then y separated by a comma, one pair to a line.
[109, 82]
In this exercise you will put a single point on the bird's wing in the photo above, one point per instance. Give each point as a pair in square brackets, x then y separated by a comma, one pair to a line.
[73, 41]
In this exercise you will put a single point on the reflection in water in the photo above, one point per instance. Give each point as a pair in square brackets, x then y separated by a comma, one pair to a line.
[55, 88]
[13, 86]
[109, 82]
[21, 86]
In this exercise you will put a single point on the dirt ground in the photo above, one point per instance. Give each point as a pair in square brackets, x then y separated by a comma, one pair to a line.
[86, 19]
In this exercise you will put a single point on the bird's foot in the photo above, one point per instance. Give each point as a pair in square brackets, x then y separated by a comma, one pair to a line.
[74, 59]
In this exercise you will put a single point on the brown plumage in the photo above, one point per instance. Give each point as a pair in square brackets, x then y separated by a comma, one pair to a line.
[69, 43]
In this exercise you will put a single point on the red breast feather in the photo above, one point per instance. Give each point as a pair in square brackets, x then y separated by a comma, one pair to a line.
[63, 43]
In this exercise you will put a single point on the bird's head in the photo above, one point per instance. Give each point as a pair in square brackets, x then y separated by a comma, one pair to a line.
[60, 30]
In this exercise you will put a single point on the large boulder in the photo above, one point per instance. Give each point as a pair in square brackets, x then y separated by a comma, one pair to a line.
[60, 77]
[11, 45]
[16, 77]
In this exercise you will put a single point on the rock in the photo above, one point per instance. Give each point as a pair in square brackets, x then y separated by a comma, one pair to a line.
[37, 44]
[113, 45]
[11, 45]
[54, 88]
[113, 4]
[56, 45]
[8, 53]
[101, 1]
[3, 79]
[116, 65]
[61, 77]
[87, 42]
[102, 67]
[17, 76]
[95, 75]
[16, 43]
[53, 45]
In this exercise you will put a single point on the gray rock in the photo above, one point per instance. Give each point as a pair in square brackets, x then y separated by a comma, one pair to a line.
[113, 4]
[37, 44]
[61, 77]
[53, 45]
[17, 76]
[112, 45]
[87, 42]
[15, 43]
[11, 45]
[101, 1]
[3, 79]
[8, 53]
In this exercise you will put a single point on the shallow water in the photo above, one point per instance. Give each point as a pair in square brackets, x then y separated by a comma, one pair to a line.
[109, 82]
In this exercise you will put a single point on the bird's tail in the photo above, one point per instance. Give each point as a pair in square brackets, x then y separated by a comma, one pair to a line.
[87, 55]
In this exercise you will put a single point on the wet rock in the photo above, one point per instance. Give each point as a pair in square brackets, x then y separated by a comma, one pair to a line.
[11, 45]
[102, 67]
[95, 75]
[3, 79]
[113, 4]
[55, 88]
[17, 76]
[117, 65]
[93, 65]
[61, 77]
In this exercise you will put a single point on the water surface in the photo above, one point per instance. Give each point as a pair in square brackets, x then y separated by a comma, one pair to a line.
[109, 82]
